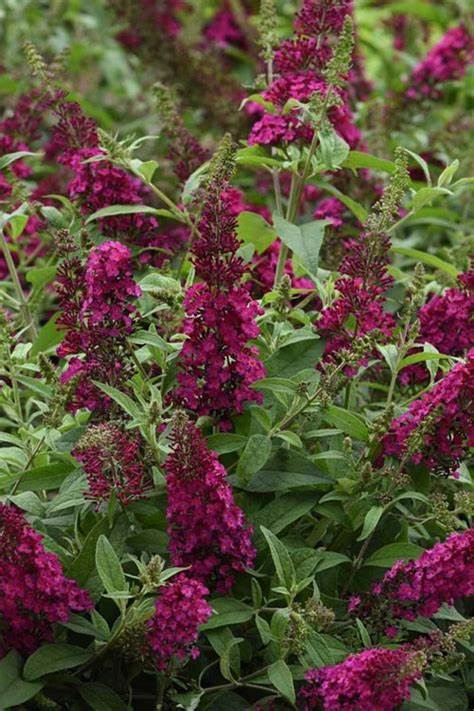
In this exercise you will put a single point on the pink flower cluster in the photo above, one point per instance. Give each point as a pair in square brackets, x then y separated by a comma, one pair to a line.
[446, 322]
[358, 309]
[224, 30]
[218, 366]
[113, 462]
[371, 680]
[35, 594]
[99, 184]
[440, 576]
[180, 610]
[451, 432]
[299, 63]
[446, 61]
[18, 131]
[206, 528]
[97, 313]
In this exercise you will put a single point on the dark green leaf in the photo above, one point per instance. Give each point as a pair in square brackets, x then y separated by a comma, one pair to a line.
[13, 689]
[108, 566]
[281, 678]
[53, 657]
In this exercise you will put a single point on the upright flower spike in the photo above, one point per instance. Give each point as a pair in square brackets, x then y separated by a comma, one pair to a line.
[372, 680]
[206, 529]
[184, 151]
[446, 61]
[100, 183]
[180, 610]
[97, 313]
[113, 463]
[34, 592]
[301, 65]
[438, 428]
[441, 575]
[217, 366]
[364, 280]
[447, 323]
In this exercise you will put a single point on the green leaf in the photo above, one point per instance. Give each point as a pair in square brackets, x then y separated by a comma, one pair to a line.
[44, 478]
[254, 229]
[332, 150]
[304, 240]
[108, 566]
[359, 159]
[422, 163]
[420, 358]
[101, 697]
[386, 556]
[281, 512]
[13, 689]
[425, 196]
[295, 357]
[147, 169]
[48, 337]
[226, 442]
[82, 566]
[281, 678]
[9, 158]
[53, 657]
[284, 567]
[348, 422]
[228, 611]
[370, 522]
[256, 452]
[193, 182]
[39, 276]
[363, 633]
[125, 402]
[331, 559]
[112, 210]
[429, 259]
[390, 354]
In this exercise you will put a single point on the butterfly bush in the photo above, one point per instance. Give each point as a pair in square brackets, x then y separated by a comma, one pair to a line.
[113, 463]
[440, 576]
[217, 365]
[447, 323]
[35, 592]
[236, 356]
[369, 681]
[300, 64]
[97, 314]
[180, 610]
[442, 419]
[206, 529]
[446, 61]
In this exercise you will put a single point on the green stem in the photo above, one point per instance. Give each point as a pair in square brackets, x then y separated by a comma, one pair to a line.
[24, 307]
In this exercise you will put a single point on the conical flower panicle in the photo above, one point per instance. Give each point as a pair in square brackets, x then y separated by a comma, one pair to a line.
[206, 529]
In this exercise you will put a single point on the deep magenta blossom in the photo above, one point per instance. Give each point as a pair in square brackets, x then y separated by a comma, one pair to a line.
[449, 405]
[180, 610]
[100, 183]
[441, 575]
[371, 680]
[299, 63]
[206, 529]
[97, 313]
[114, 463]
[447, 323]
[358, 309]
[218, 366]
[34, 593]
[446, 61]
